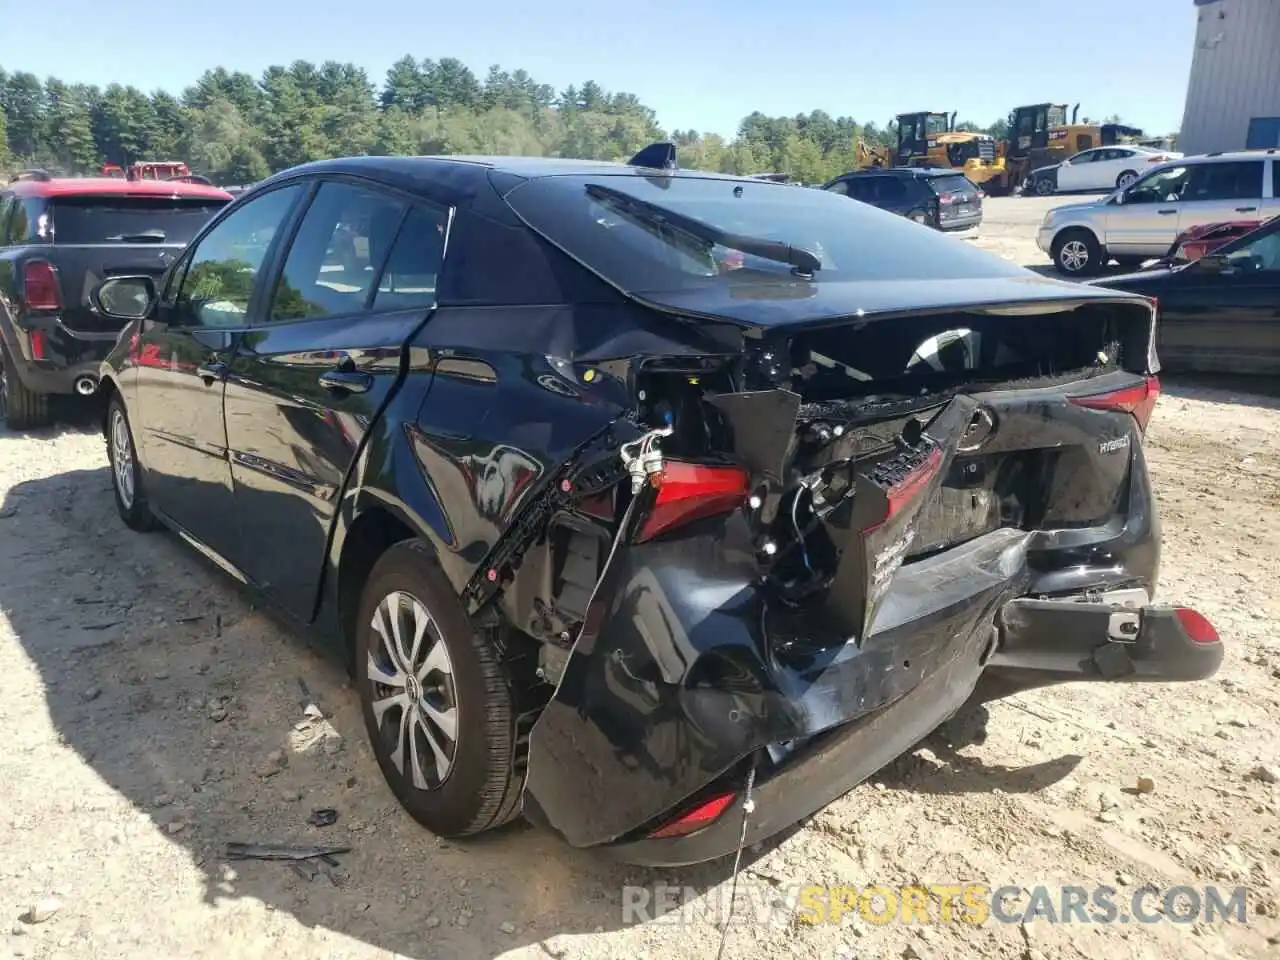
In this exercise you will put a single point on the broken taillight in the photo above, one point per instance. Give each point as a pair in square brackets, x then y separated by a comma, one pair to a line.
[1139, 400]
[904, 488]
[40, 286]
[693, 491]
[697, 818]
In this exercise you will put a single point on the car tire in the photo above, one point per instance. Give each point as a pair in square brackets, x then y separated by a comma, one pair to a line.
[1043, 187]
[1126, 178]
[457, 682]
[1077, 253]
[21, 408]
[126, 474]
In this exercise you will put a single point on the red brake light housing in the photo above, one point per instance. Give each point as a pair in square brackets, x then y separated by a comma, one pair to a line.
[1139, 400]
[38, 347]
[693, 491]
[40, 286]
[1196, 625]
[700, 816]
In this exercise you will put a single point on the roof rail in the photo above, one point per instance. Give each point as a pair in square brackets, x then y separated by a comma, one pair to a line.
[34, 174]
[656, 156]
[191, 178]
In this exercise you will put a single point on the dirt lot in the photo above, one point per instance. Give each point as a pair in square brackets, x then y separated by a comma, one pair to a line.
[150, 714]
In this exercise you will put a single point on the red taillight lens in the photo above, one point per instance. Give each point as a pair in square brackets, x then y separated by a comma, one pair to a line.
[37, 344]
[906, 489]
[946, 197]
[40, 286]
[692, 491]
[1139, 400]
[1156, 159]
[697, 818]
[1196, 625]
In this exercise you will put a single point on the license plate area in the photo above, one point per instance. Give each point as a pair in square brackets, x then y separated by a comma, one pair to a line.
[979, 495]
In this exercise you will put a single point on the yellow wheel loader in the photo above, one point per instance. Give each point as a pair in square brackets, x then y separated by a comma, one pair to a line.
[929, 139]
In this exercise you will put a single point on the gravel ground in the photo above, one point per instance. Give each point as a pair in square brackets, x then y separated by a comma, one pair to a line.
[151, 714]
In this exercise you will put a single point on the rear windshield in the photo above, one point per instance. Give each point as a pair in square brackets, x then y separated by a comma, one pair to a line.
[955, 184]
[131, 219]
[637, 250]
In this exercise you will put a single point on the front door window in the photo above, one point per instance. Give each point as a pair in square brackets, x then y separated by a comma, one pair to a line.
[222, 269]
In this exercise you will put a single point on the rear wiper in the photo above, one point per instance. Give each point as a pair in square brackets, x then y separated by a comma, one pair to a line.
[145, 236]
[805, 261]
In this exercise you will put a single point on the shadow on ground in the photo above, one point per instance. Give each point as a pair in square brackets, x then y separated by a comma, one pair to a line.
[190, 704]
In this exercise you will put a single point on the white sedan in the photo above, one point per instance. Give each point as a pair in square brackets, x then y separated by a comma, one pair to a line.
[1102, 168]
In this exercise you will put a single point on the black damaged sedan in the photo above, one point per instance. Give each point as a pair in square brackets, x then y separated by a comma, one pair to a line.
[630, 495]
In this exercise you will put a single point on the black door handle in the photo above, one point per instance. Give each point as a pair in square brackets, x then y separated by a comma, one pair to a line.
[1165, 213]
[1246, 209]
[210, 371]
[346, 381]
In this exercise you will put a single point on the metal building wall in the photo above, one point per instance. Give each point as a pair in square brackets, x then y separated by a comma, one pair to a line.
[1235, 73]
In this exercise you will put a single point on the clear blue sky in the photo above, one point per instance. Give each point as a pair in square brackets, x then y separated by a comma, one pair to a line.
[701, 64]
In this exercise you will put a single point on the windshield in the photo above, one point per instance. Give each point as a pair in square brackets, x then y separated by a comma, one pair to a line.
[936, 123]
[1057, 116]
[112, 219]
[634, 248]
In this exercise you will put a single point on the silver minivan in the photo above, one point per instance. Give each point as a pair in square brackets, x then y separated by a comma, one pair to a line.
[1141, 221]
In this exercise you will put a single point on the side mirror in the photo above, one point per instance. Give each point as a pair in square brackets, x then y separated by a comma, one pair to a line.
[124, 298]
[1212, 263]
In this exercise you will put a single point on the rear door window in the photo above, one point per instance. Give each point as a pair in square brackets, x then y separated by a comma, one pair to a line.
[841, 187]
[1237, 180]
[409, 276]
[114, 219]
[863, 188]
[337, 253]
[890, 191]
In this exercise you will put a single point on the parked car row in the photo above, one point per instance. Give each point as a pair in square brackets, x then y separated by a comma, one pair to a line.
[1144, 220]
[664, 555]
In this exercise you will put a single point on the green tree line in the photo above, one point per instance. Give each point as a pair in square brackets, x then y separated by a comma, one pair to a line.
[235, 128]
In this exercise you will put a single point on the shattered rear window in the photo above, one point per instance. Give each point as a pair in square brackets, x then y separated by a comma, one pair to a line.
[639, 253]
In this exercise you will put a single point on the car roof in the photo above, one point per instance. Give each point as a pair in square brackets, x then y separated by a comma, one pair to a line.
[113, 186]
[1227, 156]
[903, 171]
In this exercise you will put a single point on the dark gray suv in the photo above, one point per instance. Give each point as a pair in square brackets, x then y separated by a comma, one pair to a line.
[934, 196]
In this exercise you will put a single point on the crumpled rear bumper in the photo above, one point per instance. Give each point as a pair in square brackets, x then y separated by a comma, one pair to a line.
[686, 672]
[694, 671]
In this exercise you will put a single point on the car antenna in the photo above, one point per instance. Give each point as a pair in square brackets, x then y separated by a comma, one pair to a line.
[656, 156]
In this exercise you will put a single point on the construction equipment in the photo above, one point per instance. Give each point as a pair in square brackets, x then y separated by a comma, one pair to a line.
[929, 139]
[1041, 136]
[147, 170]
[868, 155]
